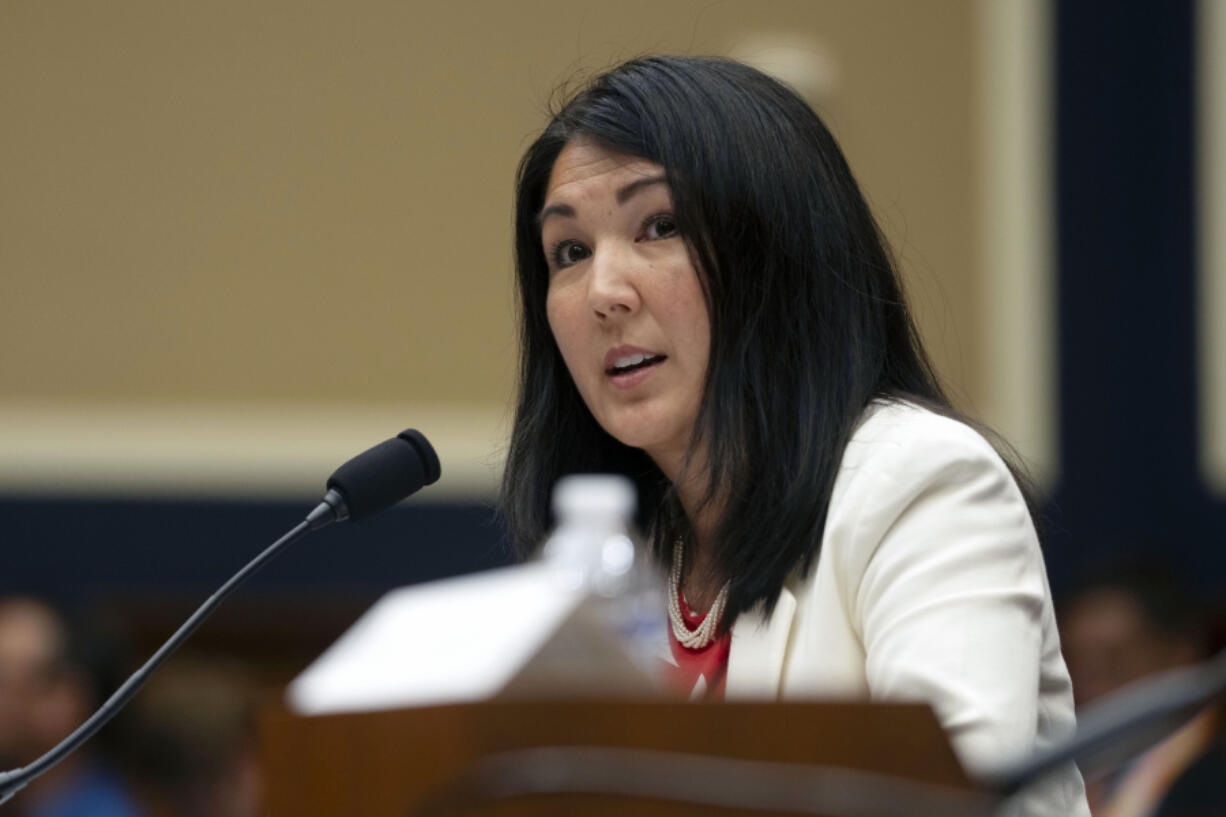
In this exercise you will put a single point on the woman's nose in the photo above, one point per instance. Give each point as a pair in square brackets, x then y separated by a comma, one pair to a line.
[613, 290]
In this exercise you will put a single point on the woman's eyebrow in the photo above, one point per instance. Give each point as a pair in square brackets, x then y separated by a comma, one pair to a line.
[555, 210]
[624, 195]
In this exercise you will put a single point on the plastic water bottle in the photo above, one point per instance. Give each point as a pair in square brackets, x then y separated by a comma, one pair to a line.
[595, 549]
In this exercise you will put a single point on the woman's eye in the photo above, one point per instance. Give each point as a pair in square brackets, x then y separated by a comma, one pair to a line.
[566, 253]
[661, 226]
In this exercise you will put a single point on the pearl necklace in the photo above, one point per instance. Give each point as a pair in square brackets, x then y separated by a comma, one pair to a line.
[705, 634]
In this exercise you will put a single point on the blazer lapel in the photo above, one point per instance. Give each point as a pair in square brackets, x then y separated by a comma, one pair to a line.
[759, 645]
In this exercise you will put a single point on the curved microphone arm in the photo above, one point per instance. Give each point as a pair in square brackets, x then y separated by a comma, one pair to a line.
[13, 781]
[372, 481]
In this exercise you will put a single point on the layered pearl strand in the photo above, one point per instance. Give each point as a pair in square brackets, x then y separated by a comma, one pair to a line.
[705, 634]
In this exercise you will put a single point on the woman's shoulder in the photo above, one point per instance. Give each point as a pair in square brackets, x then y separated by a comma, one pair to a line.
[898, 432]
[904, 460]
[920, 491]
[911, 483]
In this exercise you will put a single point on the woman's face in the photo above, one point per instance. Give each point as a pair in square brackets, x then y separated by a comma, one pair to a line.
[625, 303]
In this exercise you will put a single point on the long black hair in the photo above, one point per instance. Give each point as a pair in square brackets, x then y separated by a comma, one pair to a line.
[808, 320]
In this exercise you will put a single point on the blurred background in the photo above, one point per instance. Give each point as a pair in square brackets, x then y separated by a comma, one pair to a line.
[240, 242]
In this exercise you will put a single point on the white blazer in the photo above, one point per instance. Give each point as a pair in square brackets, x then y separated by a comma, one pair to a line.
[930, 586]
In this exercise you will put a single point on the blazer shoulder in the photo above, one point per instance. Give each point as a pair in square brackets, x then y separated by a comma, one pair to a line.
[905, 462]
[897, 433]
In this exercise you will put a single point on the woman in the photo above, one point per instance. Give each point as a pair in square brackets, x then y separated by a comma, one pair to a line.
[709, 308]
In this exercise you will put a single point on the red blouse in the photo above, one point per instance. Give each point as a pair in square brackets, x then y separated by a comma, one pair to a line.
[700, 674]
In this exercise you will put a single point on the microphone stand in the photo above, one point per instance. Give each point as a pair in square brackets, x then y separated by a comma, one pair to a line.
[331, 509]
[1123, 725]
[372, 481]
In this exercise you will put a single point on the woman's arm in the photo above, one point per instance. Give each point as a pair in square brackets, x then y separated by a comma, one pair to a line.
[947, 585]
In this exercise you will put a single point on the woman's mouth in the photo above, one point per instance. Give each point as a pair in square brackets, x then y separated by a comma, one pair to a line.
[629, 371]
[629, 363]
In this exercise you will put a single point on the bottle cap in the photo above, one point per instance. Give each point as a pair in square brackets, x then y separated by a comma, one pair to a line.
[587, 495]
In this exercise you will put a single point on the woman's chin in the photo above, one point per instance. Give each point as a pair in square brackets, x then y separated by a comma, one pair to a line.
[660, 427]
[657, 443]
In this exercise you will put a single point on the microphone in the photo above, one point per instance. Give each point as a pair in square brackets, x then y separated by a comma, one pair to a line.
[371, 482]
[377, 478]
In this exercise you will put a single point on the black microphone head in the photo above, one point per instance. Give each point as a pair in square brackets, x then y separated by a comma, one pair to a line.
[381, 476]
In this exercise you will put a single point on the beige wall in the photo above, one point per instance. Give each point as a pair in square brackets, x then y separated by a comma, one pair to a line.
[307, 206]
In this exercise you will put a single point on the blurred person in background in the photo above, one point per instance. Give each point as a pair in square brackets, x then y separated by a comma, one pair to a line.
[52, 677]
[1129, 622]
[191, 747]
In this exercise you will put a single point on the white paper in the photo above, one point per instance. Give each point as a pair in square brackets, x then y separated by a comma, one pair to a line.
[449, 641]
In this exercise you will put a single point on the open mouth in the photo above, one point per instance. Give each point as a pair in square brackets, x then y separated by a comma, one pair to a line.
[632, 363]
